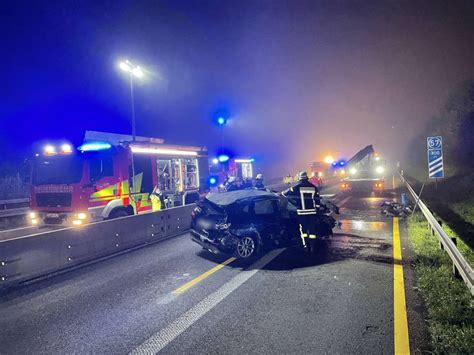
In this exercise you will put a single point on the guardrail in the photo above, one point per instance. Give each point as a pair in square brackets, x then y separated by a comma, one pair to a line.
[26, 258]
[13, 208]
[460, 265]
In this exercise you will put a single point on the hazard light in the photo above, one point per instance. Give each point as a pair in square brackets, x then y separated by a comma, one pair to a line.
[94, 146]
[251, 160]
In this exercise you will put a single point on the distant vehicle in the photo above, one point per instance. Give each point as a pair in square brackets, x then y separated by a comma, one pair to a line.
[244, 222]
[111, 176]
[224, 167]
[365, 172]
[316, 179]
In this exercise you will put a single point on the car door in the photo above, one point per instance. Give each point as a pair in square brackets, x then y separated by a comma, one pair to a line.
[267, 219]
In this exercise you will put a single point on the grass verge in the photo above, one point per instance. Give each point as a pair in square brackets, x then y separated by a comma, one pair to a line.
[449, 303]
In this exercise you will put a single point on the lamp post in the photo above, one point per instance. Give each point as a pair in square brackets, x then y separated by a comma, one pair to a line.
[137, 72]
[221, 121]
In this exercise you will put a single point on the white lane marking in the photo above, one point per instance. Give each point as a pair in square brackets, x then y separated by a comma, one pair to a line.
[344, 201]
[159, 340]
[17, 229]
[328, 195]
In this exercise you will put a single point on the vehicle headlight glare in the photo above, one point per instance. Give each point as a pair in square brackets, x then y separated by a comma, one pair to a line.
[32, 215]
[379, 170]
[81, 215]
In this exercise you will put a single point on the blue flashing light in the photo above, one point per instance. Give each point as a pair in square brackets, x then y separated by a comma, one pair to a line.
[342, 163]
[94, 146]
[223, 158]
[221, 120]
[212, 180]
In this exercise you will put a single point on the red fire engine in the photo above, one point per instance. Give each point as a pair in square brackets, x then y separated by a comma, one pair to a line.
[111, 176]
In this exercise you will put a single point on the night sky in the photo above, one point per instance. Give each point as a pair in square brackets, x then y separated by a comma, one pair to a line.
[298, 78]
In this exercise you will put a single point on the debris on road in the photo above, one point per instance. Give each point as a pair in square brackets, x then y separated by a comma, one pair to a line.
[394, 209]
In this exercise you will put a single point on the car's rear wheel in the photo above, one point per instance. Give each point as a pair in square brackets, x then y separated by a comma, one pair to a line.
[246, 247]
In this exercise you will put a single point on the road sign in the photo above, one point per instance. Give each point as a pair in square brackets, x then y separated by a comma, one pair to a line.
[435, 157]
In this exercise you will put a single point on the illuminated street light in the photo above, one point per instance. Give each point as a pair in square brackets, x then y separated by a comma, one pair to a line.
[133, 71]
[138, 72]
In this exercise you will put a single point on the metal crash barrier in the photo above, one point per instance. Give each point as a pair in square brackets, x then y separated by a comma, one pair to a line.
[460, 265]
[32, 256]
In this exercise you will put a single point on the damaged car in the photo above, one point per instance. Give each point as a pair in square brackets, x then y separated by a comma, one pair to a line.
[244, 222]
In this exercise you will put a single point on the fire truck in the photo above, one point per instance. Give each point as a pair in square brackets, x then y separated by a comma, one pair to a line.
[223, 167]
[110, 175]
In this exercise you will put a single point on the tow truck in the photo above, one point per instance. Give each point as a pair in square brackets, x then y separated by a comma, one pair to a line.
[111, 175]
[365, 172]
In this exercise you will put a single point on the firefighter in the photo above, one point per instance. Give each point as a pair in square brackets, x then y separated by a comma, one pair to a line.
[231, 184]
[156, 198]
[259, 182]
[246, 184]
[305, 196]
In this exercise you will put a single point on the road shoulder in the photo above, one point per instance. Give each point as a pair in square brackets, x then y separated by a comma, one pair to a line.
[416, 310]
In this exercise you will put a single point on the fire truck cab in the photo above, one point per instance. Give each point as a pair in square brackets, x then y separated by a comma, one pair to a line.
[111, 175]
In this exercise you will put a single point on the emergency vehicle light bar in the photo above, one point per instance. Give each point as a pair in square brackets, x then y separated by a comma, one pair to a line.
[162, 151]
[244, 160]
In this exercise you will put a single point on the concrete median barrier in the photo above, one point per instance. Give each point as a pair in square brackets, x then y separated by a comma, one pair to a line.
[36, 255]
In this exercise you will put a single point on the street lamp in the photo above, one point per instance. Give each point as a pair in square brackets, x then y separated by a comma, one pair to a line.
[221, 121]
[137, 72]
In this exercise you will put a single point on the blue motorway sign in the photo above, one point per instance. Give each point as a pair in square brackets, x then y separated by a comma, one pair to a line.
[435, 157]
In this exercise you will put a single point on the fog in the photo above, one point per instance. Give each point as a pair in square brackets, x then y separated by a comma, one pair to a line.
[300, 79]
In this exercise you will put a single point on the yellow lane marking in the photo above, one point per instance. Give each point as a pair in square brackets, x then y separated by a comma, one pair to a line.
[201, 277]
[400, 327]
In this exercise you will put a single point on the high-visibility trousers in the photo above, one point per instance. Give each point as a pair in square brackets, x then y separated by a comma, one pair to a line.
[307, 225]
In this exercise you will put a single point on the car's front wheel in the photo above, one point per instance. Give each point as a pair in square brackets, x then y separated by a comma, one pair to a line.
[246, 247]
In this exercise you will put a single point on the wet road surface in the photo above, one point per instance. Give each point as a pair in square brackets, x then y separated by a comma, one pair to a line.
[338, 301]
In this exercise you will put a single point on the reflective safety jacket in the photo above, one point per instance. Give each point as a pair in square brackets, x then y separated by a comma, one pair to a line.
[305, 197]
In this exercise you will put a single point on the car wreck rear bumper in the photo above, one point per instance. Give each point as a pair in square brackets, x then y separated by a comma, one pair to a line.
[206, 243]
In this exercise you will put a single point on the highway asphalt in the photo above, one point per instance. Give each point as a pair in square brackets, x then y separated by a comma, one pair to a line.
[176, 298]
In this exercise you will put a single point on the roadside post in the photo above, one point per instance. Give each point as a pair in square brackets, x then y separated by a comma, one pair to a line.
[435, 158]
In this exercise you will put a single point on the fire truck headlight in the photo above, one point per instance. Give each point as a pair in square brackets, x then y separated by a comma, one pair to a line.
[77, 222]
[81, 216]
[32, 215]
[34, 221]
[49, 150]
[66, 148]
[353, 171]
[379, 170]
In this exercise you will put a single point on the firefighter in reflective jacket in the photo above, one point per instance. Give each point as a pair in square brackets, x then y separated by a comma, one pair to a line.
[305, 196]
[156, 198]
